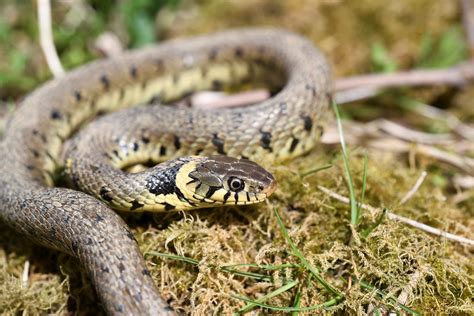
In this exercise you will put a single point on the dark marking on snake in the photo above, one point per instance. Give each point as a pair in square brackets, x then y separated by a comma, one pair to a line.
[99, 218]
[180, 195]
[138, 297]
[308, 123]
[211, 191]
[130, 236]
[238, 52]
[135, 205]
[162, 150]
[120, 308]
[168, 207]
[105, 194]
[320, 130]
[77, 95]
[226, 196]
[294, 143]
[56, 115]
[133, 72]
[217, 85]
[145, 139]
[218, 143]
[312, 89]
[265, 140]
[146, 272]
[135, 146]
[74, 247]
[177, 142]
[154, 99]
[121, 267]
[105, 82]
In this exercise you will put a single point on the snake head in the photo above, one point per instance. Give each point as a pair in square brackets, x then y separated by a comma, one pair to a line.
[226, 180]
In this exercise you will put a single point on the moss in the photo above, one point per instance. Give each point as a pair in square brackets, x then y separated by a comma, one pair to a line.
[389, 259]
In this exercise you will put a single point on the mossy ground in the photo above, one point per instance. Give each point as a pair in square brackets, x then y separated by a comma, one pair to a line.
[391, 258]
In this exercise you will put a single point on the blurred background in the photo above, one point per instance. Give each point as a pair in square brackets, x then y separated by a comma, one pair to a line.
[358, 37]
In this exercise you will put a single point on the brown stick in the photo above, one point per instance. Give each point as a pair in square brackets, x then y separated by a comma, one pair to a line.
[459, 75]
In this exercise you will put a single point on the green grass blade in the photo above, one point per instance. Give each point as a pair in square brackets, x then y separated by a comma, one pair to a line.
[303, 260]
[382, 294]
[252, 275]
[366, 232]
[297, 302]
[255, 303]
[355, 215]
[173, 257]
[329, 303]
[264, 267]
[314, 170]
[364, 181]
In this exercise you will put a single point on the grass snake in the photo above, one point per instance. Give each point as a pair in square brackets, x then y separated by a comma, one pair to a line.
[84, 225]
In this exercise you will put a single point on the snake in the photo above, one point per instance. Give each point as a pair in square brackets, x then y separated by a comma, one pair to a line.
[196, 158]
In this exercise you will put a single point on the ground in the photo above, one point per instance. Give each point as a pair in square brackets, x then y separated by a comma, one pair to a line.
[369, 264]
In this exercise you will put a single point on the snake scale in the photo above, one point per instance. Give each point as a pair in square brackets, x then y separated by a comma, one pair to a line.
[287, 124]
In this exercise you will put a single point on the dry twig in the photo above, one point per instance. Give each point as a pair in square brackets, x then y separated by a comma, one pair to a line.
[458, 75]
[415, 188]
[392, 216]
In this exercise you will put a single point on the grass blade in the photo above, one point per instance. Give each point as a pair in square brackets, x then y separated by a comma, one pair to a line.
[251, 304]
[252, 275]
[303, 260]
[355, 215]
[329, 303]
[382, 294]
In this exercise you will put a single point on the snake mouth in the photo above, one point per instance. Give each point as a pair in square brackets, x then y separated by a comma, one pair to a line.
[270, 188]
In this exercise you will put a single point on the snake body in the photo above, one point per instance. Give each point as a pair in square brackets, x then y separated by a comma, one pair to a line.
[286, 125]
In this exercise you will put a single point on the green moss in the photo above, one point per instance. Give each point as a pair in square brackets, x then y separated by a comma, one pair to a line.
[390, 258]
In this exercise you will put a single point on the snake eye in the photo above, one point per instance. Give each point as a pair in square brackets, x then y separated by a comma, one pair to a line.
[236, 184]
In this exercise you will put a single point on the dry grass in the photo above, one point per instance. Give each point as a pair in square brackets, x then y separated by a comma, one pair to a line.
[428, 273]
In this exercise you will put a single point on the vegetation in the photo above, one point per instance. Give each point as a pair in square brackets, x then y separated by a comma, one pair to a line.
[302, 251]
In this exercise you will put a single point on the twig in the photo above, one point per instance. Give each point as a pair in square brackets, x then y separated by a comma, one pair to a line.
[458, 75]
[46, 38]
[467, 11]
[108, 44]
[410, 222]
[408, 134]
[461, 129]
[464, 182]
[415, 188]
[25, 274]
[370, 136]
[355, 94]
[214, 100]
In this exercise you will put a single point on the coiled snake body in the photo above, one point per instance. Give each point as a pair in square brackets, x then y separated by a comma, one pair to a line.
[286, 125]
